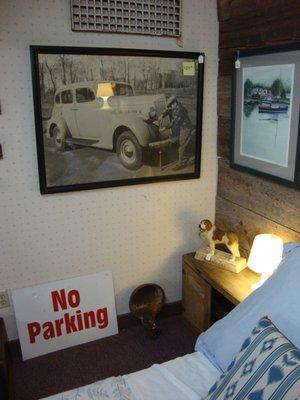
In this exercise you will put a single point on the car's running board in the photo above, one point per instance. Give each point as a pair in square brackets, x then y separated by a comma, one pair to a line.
[82, 142]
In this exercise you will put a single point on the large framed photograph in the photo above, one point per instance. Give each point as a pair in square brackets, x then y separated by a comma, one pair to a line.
[266, 103]
[112, 117]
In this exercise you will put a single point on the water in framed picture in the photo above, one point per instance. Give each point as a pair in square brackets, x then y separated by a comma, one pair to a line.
[265, 113]
[113, 117]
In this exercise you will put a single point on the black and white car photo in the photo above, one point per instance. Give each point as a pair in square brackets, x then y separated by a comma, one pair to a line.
[115, 119]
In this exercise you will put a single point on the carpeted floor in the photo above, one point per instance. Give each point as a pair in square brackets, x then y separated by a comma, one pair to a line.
[129, 351]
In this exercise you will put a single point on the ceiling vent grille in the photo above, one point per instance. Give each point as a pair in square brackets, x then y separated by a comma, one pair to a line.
[146, 17]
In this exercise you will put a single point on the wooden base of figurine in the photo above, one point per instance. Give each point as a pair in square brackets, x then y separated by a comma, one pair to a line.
[222, 259]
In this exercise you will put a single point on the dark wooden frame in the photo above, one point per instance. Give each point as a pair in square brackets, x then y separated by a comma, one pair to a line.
[254, 52]
[36, 50]
[6, 373]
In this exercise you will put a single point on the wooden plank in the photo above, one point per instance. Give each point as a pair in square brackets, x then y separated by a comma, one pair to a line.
[261, 32]
[226, 61]
[224, 96]
[287, 31]
[237, 39]
[247, 224]
[196, 299]
[229, 10]
[224, 132]
[245, 203]
[227, 55]
[269, 199]
[235, 287]
[261, 17]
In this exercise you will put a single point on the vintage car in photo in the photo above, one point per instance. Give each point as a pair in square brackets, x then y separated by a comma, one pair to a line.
[108, 115]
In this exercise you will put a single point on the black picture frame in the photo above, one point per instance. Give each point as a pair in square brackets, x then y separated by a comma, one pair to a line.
[37, 51]
[288, 53]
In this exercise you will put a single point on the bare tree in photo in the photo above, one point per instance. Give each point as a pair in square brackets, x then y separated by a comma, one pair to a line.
[51, 74]
[63, 63]
[102, 70]
[73, 71]
[42, 80]
[145, 74]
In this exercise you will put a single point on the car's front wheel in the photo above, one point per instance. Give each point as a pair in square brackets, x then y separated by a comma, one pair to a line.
[58, 138]
[129, 151]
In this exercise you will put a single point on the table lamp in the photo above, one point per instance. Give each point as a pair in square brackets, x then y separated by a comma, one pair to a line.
[105, 89]
[265, 255]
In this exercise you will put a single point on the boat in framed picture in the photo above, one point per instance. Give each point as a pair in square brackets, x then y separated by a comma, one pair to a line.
[268, 108]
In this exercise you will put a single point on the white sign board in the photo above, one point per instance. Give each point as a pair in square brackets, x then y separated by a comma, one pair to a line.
[61, 314]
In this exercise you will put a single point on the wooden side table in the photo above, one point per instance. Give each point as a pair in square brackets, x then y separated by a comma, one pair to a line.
[209, 292]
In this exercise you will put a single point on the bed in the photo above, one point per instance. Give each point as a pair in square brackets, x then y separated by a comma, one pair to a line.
[185, 378]
[192, 376]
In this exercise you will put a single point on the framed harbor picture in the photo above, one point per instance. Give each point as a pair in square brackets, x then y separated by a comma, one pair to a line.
[113, 117]
[265, 113]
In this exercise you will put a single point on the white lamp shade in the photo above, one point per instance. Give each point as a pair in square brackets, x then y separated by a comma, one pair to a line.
[265, 254]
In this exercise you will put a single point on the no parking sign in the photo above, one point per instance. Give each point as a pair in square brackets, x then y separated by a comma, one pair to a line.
[57, 315]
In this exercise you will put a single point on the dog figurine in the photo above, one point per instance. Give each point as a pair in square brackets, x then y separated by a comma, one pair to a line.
[215, 236]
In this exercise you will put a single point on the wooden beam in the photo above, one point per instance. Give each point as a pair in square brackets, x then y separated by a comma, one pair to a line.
[266, 32]
[229, 10]
[269, 199]
[247, 224]
[224, 131]
[248, 204]
[272, 17]
[224, 96]
[227, 55]
[226, 61]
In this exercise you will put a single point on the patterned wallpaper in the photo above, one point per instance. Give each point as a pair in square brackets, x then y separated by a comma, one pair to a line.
[138, 232]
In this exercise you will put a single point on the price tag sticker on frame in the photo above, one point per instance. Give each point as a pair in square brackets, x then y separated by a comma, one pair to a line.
[188, 68]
